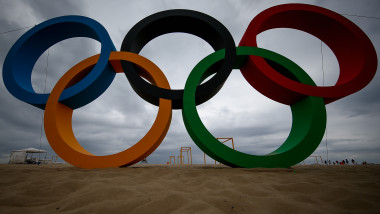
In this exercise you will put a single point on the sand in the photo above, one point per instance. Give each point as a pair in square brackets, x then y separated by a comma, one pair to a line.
[189, 189]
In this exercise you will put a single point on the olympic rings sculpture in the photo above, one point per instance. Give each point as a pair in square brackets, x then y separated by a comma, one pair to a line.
[271, 74]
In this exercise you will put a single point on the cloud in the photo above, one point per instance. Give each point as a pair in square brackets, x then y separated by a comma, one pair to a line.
[119, 118]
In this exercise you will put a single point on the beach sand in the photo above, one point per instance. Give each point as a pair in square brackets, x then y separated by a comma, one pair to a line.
[62, 188]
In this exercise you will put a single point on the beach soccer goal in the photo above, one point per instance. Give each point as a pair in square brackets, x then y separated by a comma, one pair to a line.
[188, 155]
[316, 158]
[179, 159]
[222, 140]
[170, 159]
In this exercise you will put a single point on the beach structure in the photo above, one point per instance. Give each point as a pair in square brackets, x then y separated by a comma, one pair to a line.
[224, 139]
[54, 158]
[317, 157]
[170, 159]
[180, 159]
[22, 156]
[189, 155]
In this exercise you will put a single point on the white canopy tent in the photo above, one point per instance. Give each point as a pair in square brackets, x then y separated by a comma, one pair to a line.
[21, 156]
[31, 150]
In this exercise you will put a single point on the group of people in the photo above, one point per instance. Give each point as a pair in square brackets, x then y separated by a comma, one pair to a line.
[343, 162]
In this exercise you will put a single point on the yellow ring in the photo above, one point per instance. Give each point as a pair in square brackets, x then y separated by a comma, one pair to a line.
[57, 118]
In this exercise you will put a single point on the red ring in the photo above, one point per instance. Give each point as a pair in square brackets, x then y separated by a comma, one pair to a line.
[355, 53]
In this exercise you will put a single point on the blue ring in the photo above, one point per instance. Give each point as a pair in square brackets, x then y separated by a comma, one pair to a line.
[19, 62]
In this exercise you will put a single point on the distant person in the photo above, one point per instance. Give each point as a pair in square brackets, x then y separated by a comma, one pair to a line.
[347, 161]
[353, 161]
[325, 162]
[329, 162]
[343, 162]
[337, 162]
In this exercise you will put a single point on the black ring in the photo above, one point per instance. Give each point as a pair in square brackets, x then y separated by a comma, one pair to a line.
[186, 21]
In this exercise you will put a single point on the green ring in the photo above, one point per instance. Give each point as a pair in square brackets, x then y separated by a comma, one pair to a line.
[308, 125]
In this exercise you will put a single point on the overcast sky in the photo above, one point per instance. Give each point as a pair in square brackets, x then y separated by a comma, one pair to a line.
[119, 118]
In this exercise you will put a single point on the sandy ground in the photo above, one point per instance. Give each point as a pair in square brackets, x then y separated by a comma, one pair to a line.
[189, 189]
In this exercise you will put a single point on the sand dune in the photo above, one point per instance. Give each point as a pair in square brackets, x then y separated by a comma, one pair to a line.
[184, 189]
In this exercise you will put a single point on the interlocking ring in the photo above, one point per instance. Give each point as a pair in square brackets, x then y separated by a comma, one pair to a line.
[18, 65]
[354, 51]
[271, 74]
[186, 21]
[57, 118]
[309, 117]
